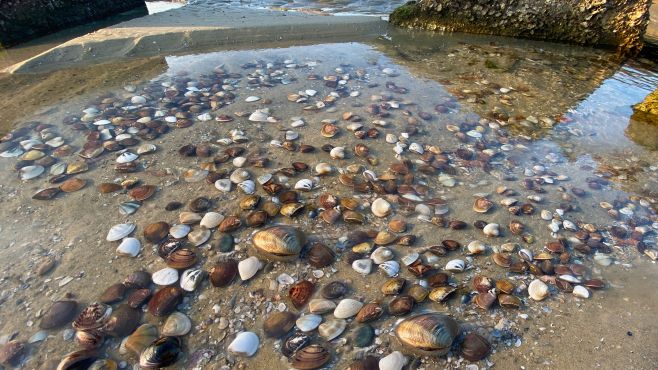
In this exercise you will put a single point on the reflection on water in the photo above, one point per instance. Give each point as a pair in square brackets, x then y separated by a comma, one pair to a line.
[371, 7]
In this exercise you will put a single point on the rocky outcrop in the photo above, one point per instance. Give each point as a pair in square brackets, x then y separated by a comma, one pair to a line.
[647, 111]
[21, 20]
[618, 23]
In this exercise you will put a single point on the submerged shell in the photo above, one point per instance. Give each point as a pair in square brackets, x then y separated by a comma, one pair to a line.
[430, 333]
[311, 357]
[119, 231]
[537, 290]
[248, 267]
[129, 247]
[161, 353]
[347, 308]
[176, 325]
[278, 324]
[332, 328]
[141, 338]
[279, 242]
[93, 316]
[59, 314]
[244, 344]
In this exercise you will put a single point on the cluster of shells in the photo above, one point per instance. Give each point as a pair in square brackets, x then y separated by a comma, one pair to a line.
[394, 190]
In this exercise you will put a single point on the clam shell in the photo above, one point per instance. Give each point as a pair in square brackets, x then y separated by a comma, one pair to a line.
[119, 231]
[309, 322]
[319, 255]
[73, 184]
[223, 273]
[177, 325]
[332, 328]
[59, 314]
[181, 259]
[347, 308]
[300, 293]
[304, 185]
[189, 218]
[381, 255]
[191, 278]
[198, 237]
[394, 361]
[475, 347]
[482, 205]
[380, 207]
[114, 293]
[128, 208]
[362, 266]
[141, 338]
[78, 360]
[333, 290]
[93, 316]
[30, 172]
[142, 192]
[401, 305]
[129, 247]
[46, 194]
[165, 300]
[156, 231]
[278, 324]
[247, 268]
[161, 353]
[429, 333]
[390, 268]
[164, 277]
[146, 148]
[537, 290]
[311, 357]
[320, 306]
[369, 312]
[211, 220]
[179, 231]
[279, 242]
[123, 321]
[244, 344]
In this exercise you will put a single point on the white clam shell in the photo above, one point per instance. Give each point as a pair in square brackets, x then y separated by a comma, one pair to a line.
[538, 290]
[198, 237]
[245, 344]
[381, 207]
[337, 152]
[603, 259]
[347, 308]
[410, 258]
[321, 305]
[239, 175]
[176, 325]
[166, 276]
[332, 328]
[323, 168]
[393, 361]
[580, 291]
[129, 247]
[127, 157]
[308, 323]
[247, 187]
[191, 278]
[381, 255]
[568, 225]
[416, 148]
[258, 116]
[304, 185]
[362, 266]
[491, 230]
[391, 139]
[390, 268]
[11, 153]
[239, 161]
[211, 220]
[189, 218]
[291, 135]
[30, 172]
[138, 99]
[119, 231]
[146, 148]
[570, 278]
[264, 178]
[247, 268]
[252, 98]
[455, 265]
[526, 255]
[179, 231]
[223, 185]
[476, 247]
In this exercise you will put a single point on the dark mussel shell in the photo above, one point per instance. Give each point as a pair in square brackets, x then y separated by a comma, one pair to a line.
[294, 343]
[46, 194]
[168, 246]
[138, 279]
[123, 321]
[59, 314]
[223, 273]
[138, 297]
[278, 324]
[367, 363]
[114, 293]
[475, 347]
[334, 290]
[319, 255]
[311, 357]
[200, 204]
[161, 353]
[78, 360]
[165, 300]
[401, 305]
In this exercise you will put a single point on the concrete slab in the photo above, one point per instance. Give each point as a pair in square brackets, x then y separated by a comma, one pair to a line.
[196, 27]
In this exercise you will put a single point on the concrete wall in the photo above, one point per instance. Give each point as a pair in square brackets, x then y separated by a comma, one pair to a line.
[21, 20]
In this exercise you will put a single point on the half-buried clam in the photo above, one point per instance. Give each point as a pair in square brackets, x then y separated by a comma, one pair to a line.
[428, 333]
[279, 242]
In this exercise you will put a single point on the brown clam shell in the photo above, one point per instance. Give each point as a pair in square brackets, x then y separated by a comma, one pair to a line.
[516, 227]
[367, 363]
[138, 279]
[165, 300]
[509, 301]
[123, 321]
[156, 231]
[181, 259]
[328, 201]
[138, 298]
[114, 293]
[200, 204]
[482, 205]
[78, 360]
[482, 283]
[46, 194]
[502, 259]
[142, 192]
[223, 273]
[72, 184]
[300, 293]
[230, 223]
[279, 242]
[319, 255]
[92, 317]
[334, 290]
[330, 215]
[397, 225]
[438, 279]
[369, 312]
[484, 300]
[59, 314]
[109, 187]
[401, 305]
[475, 347]
[312, 357]
[278, 324]
[10, 353]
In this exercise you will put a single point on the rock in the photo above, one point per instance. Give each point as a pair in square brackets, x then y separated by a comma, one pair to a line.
[620, 23]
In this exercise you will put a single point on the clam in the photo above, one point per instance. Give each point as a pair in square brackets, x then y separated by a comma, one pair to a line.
[309, 322]
[59, 314]
[127, 157]
[300, 293]
[142, 192]
[141, 338]
[146, 148]
[129, 247]
[278, 324]
[46, 194]
[137, 279]
[119, 231]
[304, 185]
[332, 328]
[323, 168]
[428, 333]
[580, 291]
[279, 242]
[165, 276]
[320, 306]
[516, 227]
[485, 300]
[401, 305]
[177, 325]
[502, 259]
[165, 300]
[249, 202]
[223, 273]
[191, 278]
[247, 186]
[476, 247]
[78, 360]
[393, 361]
[311, 357]
[537, 290]
[333, 290]
[319, 255]
[385, 238]
[161, 353]
[482, 205]
[508, 301]
[455, 265]
[229, 223]
[93, 316]
[30, 172]
[390, 268]
[181, 259]
[491, 230]
[380, 207]
[475, 347]
[369, 312]
[442, 293]
[223, 185]
[72, 185]
[114, 293]
[381, 255]
[393, 286]
[156, 231]
[248, 267]
[123, 321]
[198, 237]
[179, 231]
[244, 344]
[337, 152]
[362, 266]
[347, 308]
[418, 292]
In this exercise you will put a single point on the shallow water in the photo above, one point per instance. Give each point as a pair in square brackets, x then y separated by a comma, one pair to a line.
[370, 7]
[580, 97]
